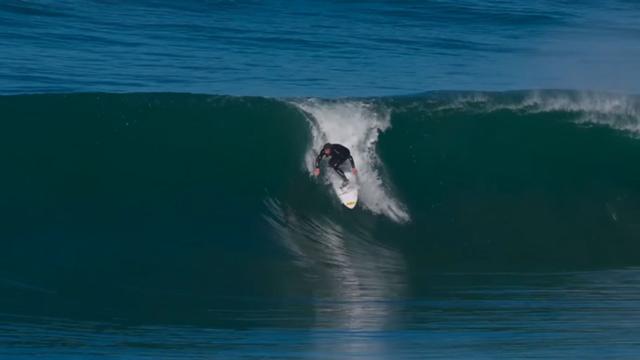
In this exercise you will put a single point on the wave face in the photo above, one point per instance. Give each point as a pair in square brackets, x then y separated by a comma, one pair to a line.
[188, 198]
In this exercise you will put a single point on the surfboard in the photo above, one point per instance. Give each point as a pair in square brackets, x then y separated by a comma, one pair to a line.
[348, 195]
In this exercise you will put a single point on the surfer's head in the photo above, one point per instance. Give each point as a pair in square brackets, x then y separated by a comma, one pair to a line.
[327, 149]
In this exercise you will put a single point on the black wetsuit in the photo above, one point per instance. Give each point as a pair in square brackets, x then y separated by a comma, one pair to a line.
[339, 154]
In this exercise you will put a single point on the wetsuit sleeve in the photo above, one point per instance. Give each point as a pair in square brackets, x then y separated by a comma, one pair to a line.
[319, 158]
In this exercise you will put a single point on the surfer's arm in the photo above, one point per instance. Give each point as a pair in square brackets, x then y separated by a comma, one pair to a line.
[353, 166]
[319, 158]
[316, 170]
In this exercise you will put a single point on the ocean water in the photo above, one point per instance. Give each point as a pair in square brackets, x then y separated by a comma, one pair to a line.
[156, 196]
[317, 48]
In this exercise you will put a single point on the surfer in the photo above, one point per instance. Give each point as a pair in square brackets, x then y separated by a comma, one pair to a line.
[337, 154]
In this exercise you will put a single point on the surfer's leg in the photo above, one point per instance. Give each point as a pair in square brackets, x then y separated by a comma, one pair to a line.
[341, 173]
[336, 166]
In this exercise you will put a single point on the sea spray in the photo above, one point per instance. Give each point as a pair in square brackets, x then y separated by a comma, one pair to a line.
[356, 125]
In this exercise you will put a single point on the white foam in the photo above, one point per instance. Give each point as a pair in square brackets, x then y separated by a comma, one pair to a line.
[621, 112]
[356, 125]
[610, 104]
[618, 111]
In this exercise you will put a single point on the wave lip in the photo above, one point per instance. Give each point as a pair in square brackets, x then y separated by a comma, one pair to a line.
[618, 111]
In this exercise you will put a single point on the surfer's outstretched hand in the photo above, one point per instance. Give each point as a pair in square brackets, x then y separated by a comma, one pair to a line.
[316, 172]
[354, 171]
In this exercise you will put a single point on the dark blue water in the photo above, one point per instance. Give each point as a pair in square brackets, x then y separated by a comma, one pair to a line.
[589, 315]
[317, 48]
[169, 225]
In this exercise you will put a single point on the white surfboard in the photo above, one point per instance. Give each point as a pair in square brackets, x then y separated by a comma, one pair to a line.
[348, 194]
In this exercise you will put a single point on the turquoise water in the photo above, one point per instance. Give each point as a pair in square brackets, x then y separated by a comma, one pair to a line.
[156, 197]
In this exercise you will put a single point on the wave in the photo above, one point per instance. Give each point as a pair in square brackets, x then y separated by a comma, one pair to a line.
[190, 197]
